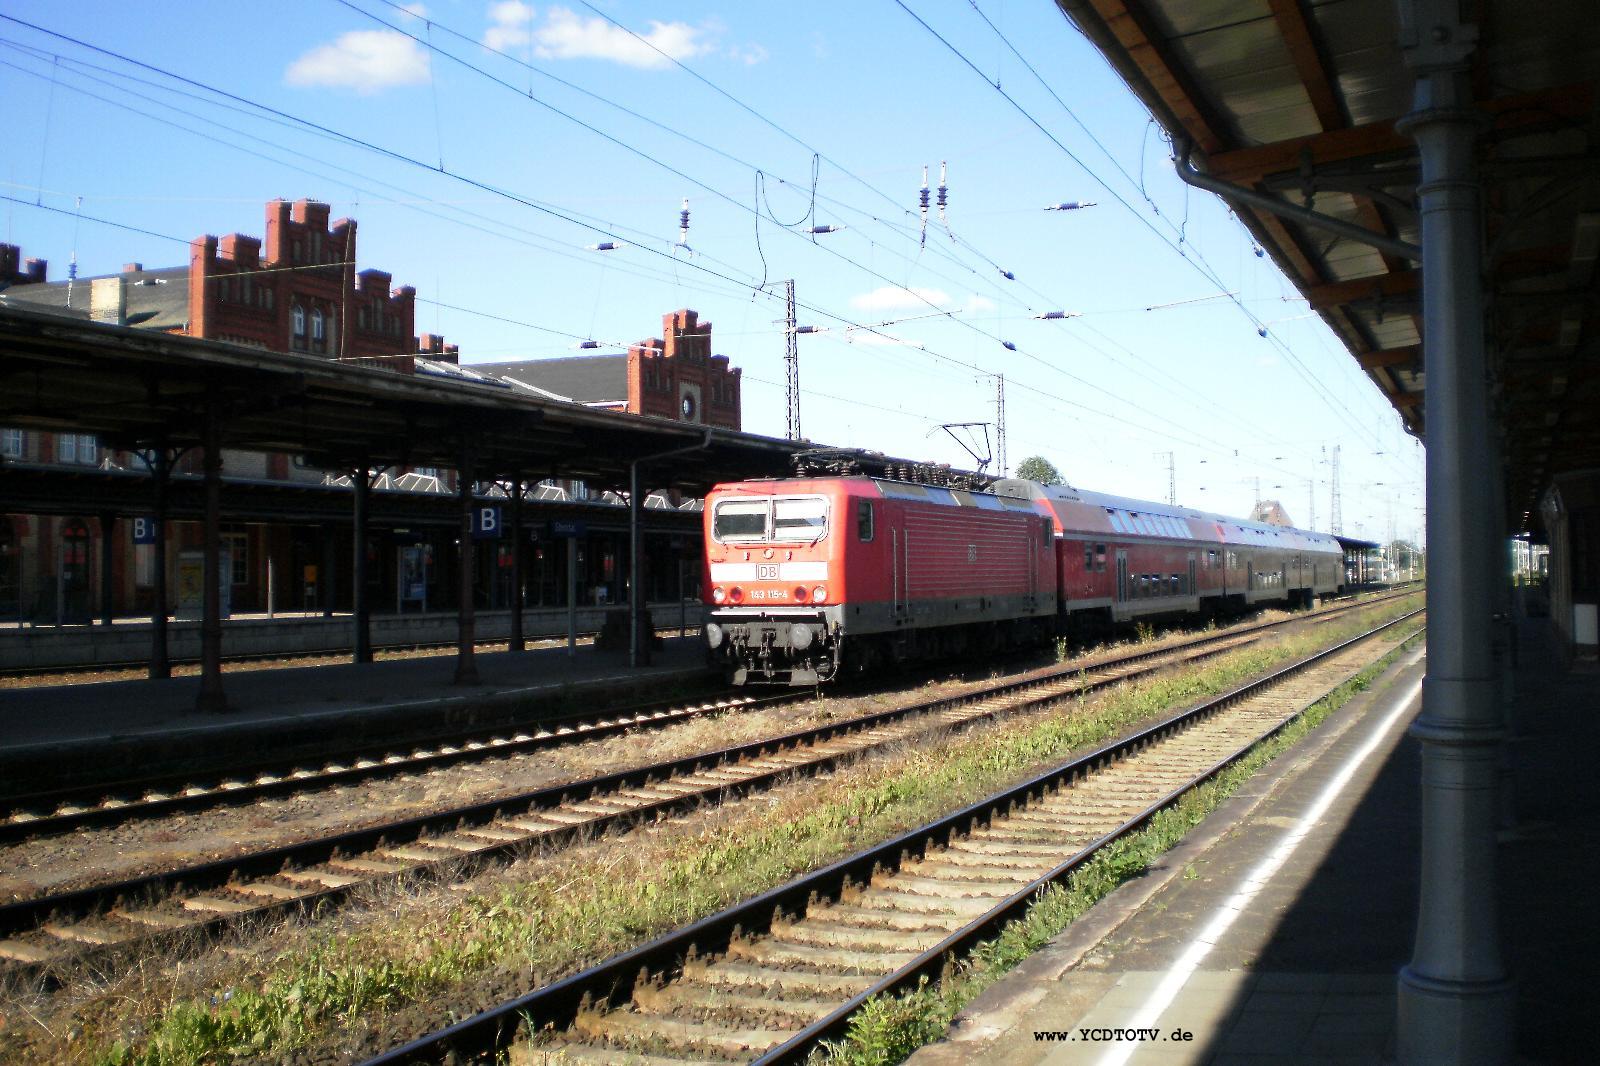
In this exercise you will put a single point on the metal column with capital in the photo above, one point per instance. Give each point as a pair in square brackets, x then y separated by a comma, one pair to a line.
[518, 641]
[211, 697]
[466, 640]
[360, 602]
[1455, 1001]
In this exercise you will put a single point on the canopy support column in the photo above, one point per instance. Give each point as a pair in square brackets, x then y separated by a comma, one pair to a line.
[1455, 1001]
[466, 640]
[211, 698]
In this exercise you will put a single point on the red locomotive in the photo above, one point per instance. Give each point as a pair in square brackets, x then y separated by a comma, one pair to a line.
[809, 576]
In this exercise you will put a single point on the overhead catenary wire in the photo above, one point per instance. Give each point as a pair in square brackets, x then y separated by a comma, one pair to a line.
[565, 216]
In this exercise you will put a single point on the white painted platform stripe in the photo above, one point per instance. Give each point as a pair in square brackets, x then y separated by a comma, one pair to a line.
[1149, 1013]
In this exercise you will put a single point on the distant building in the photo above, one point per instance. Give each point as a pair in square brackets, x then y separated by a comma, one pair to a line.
[1270, 512]
[299, 293]
[672, 376]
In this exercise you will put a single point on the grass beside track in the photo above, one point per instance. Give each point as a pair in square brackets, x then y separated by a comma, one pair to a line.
[889, 1028]
[306, 990]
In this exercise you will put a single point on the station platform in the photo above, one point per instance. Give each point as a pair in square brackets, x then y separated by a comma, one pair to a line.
[61, 735]
[1276, 930]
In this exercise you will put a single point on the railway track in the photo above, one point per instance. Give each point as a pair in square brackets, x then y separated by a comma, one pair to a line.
[69, 810]
[206, 899]
[101, 805]
[768, 979]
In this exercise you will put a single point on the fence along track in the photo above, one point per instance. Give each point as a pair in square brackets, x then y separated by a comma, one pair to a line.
[771, 977]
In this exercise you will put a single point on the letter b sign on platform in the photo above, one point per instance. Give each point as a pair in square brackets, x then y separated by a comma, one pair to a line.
[485, 523]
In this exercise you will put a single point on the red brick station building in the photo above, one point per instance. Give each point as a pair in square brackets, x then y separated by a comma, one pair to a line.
[297, 290]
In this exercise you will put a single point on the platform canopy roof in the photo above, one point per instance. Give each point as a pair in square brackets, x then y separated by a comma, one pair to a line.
[1297, 100]
[134, 387]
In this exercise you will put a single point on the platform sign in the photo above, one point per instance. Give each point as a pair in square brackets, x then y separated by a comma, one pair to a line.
[560, 528]
[146, 530]
[485, 523]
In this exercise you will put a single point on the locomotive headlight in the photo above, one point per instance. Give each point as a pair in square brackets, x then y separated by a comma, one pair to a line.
[799, 594]
[736, 594]
[819, 594]
[718, 594]
[799, 637]
[714, 635]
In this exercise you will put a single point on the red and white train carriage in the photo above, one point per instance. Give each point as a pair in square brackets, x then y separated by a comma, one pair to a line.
[812, 575]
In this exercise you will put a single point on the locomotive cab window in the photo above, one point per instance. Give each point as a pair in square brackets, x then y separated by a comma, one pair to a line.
[864, 520]
[740, 520]
[805, 518]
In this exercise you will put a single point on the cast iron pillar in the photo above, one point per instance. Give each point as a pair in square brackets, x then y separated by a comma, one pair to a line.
[108, 528]
[518, 643]
[466, 665]
[360, 602]
[211, 698]
[638, 650]
[159, 460]
[1455, 1001]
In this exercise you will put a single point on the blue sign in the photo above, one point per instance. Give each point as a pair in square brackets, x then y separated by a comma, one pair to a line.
[568, 529]
[146, 530]
[485, 523]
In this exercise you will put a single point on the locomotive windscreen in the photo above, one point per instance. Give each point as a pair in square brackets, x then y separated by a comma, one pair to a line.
[784, 519]
[741, 520]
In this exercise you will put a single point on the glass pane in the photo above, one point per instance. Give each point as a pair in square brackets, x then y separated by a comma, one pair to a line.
[806, 519]
[740, 520]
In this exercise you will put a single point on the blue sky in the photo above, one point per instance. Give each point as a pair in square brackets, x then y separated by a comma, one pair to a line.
[485, 181]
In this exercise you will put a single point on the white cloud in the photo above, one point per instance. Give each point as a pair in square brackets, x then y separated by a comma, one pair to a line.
[510, 26]
[748, 54]
[980, 303]
[896, 298]
[567, 36]
[364, 60]
[416, 11]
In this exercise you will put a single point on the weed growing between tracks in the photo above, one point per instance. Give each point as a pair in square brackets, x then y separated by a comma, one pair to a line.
[889, 1028]
[404, 963]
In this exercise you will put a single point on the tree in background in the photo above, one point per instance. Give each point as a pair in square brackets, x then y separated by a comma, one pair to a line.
[1038, 468]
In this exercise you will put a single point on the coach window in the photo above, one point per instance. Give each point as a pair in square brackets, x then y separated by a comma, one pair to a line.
[1100, 558]
[864, 520]
[1088, 558]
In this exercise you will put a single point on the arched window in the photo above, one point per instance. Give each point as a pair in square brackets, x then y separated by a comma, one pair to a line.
[297, 319]
[316, 325]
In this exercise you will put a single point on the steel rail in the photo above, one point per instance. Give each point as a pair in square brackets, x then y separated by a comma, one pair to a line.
[28, 914]
[101, 804]
[612, 981]
[191, 792]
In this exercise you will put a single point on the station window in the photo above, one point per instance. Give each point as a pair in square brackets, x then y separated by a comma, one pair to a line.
[12, 443]
[297, 325]
[864, 520]
[75, 448]
[237, 544]
[317, 330]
